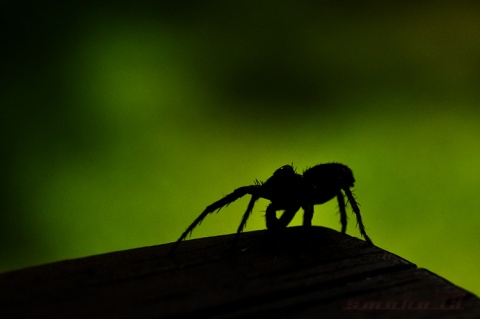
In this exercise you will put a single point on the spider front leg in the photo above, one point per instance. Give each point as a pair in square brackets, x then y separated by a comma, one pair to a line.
[343, 212]
[307, 215]
[356, 210]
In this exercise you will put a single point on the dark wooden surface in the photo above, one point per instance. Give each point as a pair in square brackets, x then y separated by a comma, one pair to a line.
[295, 274]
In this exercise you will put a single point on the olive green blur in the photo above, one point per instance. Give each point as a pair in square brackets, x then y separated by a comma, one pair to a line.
[121, 121]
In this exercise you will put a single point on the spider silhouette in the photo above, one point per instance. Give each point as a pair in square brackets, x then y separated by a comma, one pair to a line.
[289, 191]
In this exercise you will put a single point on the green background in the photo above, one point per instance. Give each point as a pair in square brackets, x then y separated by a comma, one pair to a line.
[121, 121]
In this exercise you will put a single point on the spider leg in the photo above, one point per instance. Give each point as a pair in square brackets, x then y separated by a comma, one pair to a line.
[343, 212]
[356, 210]
[287, 216]
[275, 223]
[239, 192]
[307, 215]
[271, 216]
[245, 217]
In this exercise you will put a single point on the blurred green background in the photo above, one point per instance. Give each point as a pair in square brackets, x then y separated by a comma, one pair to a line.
[120, 121]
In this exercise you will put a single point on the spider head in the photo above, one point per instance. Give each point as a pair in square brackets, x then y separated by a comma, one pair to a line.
[345, 176]
[330, 175]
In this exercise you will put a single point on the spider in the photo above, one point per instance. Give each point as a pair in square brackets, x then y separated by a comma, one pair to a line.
[289, 191]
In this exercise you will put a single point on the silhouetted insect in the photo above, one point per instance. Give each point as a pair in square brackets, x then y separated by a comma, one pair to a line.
[288, 191]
